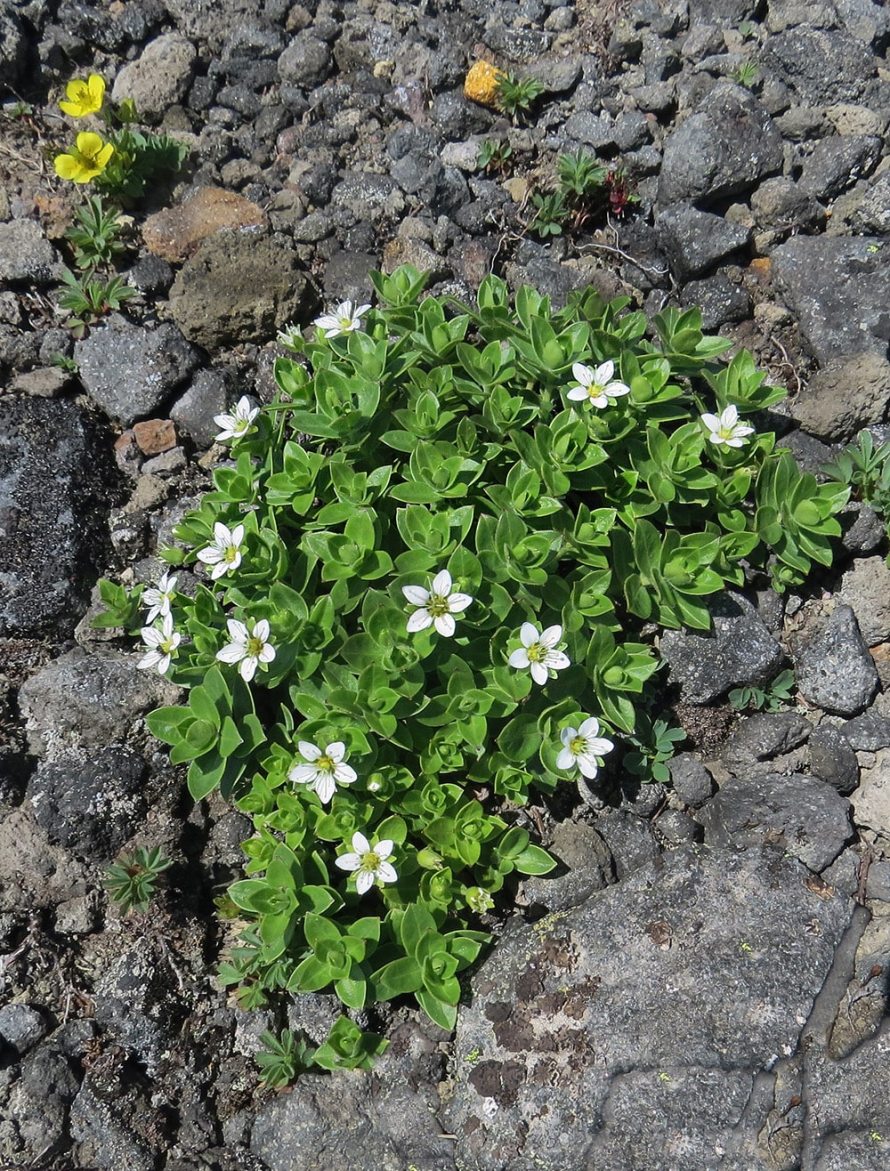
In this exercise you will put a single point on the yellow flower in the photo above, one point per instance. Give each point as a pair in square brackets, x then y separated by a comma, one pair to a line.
[481, 83]
[86, 160]
[84, 97]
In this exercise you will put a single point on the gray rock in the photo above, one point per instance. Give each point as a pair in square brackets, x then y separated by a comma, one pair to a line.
[159, 77]
[724, 148]
[90, 803]
[871, 800]
[695, 241]
[764, 736]
[39, 1101]
[866, 20]
[853, 1148]
[739, 650]
[21, 1027]
[558, 75]
[239, 287]
[878, 881]
[693, 784]
[832, 759]
[88, 700]
[586, 866]
[568, 1040]
[719, 299]
[129, 370]
[104, 1129]
[135, 1002]
[722, 12]
[837, 288]
[48, 382]
[832, 665]
[194, 412]
[677, 828]
[821, 67]
[783, 205]
[369, 198]
[863, 528]
[54, 492]
[596, 130]
[866, 587]
[868, 732]
[805, 815]
[837, 162]
[13, 47]
[848, 394]
[630, 841]
[26, 256]
[872, 216]
[51, 875]
[305, 62]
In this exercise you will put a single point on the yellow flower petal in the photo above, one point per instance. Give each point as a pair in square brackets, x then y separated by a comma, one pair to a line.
[66, 166]
[89, 144]
[96, 90]
[104, 155]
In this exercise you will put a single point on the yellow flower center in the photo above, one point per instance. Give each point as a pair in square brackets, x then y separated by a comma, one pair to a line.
[537, 653]
[371, 861]
[324, 764]
[595, 389]
[577, 745]
[231, 552]
[437, 605]
[254, 646]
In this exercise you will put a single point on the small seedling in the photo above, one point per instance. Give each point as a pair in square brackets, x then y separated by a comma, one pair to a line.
[88, 298]
[747, 74]
[132, 880]
[516, 95]
[550, 213]
[494, 156]
[656, 743]
[282, 1058]
[580, 175]
[760, 699]
[95, 236]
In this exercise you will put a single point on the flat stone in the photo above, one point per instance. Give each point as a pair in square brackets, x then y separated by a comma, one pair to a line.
[837, 163]
[154, 435]
[846, 395]
[630, 1028]
[88, 699]
[872, 215]
[871, 800]
[130, 370]
[832, 665]
[821, 67]
[724, 148]
[239, 287]
[194, 412]
[868, 732]
[848, 118]
[837, 287]
[585, 867]
[808, 817]
[695, 241]
[54, 495]
[866, 587]
[832, 759]
[47, 382]
[739, 650]
[692, 782]
[159, 77]
[305, 62]
[175, 232]
[21, 1027]
[764, 736]
[26, 256]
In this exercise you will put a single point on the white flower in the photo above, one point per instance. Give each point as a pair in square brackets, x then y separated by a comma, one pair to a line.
[369, 863]
[162, 646]
[249, 646]
[160, 598]
[225, 552]
[238, 423]
[325, 769]
[344, 319]
[726, 429]
[291, 337]
[581, 746]
[538, 652]
[596, 387]
[435, 606]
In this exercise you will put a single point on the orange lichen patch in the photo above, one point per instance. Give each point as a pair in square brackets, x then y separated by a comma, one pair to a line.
[481, 83]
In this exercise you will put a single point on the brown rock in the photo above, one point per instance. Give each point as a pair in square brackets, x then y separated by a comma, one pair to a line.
[175, 233]
[154, 435]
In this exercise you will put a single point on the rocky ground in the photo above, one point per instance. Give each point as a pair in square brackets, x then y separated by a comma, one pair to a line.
[705, 984]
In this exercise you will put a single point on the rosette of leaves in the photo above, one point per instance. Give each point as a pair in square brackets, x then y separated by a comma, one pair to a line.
[442, 437]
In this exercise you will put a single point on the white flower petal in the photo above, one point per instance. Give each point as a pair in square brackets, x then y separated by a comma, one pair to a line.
[345, 774]
[566, 759]
[441, 584]
[149, 660]
[588, 766]
[528, 634]
[419, 620]
[335, 751]
[261, 629]
[219, 571]
[348, 862]
[597, 400]
[267, 654]
[237, 630]
[583, 373]
[457, 603]
[578, 394]
[387, 872]
[360, 843]
[309, 751]
[599, 746]
[221, 534]
[730, 416]
[590, 727]
[325, 787]
[603, 373]
[551, 636]
[558, 660]
[568, 734]
[364, 880]
[445, 625]
[211, 555]
[616, 389]
[540, 673]
[519, 658]
[232, 652]
[248, 668]
[416, 595]
[711, 422]
[383, 849]
[303, 774]
[237, 534]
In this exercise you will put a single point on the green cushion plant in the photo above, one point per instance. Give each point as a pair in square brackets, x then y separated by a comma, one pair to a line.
[431, 576]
